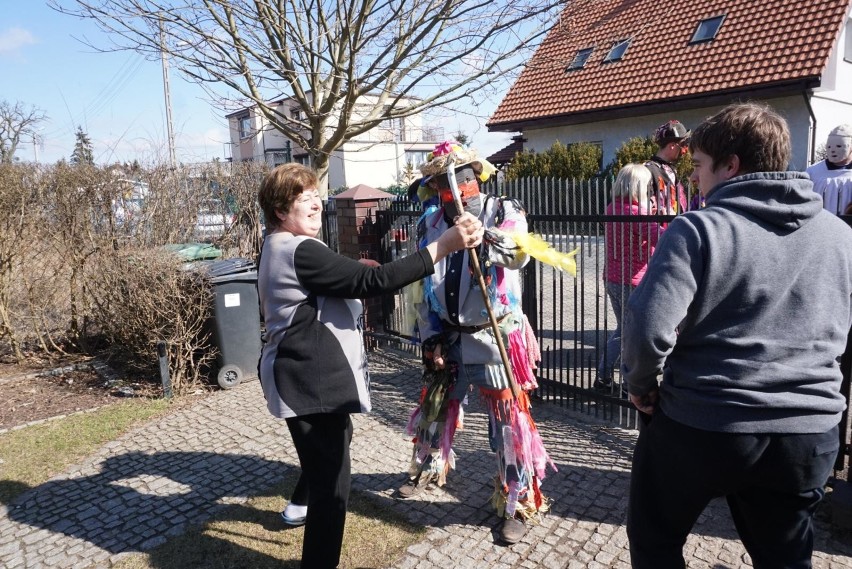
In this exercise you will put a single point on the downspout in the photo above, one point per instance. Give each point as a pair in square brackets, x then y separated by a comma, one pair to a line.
[812, 126]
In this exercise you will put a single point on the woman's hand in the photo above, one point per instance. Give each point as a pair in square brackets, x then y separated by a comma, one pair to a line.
[465, 234]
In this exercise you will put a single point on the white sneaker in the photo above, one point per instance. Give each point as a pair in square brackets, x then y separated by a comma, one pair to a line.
[294, 515]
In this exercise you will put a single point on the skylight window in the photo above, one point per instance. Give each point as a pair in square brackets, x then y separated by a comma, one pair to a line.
[580, 59]
[617, 51]
[707, 29]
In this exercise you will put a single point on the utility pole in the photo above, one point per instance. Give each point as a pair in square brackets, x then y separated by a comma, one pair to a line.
[169, 128]
[37, 139]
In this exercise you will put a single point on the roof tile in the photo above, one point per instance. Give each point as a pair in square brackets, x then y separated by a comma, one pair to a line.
[759, 43]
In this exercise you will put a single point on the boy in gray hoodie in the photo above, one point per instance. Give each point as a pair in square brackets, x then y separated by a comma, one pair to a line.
[745, 308]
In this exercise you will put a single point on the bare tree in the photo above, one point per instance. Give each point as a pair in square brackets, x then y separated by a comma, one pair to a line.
[16, 122]
[348, 65]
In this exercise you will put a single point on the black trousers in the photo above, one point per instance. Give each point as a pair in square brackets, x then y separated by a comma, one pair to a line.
[322, 443]
[772, 483]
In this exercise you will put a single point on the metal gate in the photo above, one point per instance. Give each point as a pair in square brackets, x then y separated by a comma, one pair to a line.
[572, 317]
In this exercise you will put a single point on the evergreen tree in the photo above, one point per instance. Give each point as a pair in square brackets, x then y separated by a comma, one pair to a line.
[639, 150]
[82, 148]
[577, 161]
[408, 174]
[462, 138]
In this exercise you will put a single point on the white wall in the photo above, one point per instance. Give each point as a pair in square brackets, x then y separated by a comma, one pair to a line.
[336, 171]
[611, 134]
[248, 148]
[832, 102]
[375, 165]
[795, 110]
[375, 159]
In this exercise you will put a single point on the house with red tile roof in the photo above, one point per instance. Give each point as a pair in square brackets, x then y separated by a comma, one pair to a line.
[613, 69]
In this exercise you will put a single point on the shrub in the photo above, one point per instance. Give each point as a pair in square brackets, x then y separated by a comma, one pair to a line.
[398, 190]
[634, 150]
[638, 150]
[82, 265]
[579, 161]
[143, 296]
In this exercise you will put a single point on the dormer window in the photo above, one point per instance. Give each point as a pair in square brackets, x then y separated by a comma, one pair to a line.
[707, 29]
[580, 59]
[617, 51]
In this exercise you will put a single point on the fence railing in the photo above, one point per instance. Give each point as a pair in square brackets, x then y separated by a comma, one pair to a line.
[572, 317]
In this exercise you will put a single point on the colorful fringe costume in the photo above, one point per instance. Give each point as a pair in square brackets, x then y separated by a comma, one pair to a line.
[452, 318]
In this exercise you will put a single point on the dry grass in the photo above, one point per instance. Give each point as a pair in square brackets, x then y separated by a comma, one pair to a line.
[252, 535]
[30, 456]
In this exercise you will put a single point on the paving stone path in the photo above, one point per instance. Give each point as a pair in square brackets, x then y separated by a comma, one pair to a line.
[156, 481]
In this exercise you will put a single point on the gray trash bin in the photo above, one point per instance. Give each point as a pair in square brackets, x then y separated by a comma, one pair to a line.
[235, 322]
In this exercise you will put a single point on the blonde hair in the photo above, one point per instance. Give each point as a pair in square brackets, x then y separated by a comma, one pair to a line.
[633, 181]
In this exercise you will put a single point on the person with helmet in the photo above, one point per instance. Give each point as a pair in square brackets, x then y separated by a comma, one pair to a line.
[460, 350]
[669, 194]
[832, 177]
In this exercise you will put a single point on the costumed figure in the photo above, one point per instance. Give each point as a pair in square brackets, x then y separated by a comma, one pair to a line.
[832, 177]
[460, 350]
[669, 194]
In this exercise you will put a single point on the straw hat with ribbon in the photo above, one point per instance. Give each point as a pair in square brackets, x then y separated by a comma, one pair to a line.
[436, 165]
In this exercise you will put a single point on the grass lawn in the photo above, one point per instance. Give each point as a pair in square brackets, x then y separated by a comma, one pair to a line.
[248, 535]
[252, 535]
[32, 455]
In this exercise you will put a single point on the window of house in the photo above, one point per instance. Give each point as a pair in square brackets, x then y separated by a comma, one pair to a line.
[617, 51]
[282, 156]
[395, 126]
[296, 114]
[303, 159]
[245, 127]
[580, 59]
[847, 49]
[416, 157]
[707, 29]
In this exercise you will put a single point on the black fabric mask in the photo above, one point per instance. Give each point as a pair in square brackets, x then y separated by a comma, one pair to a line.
[472, 205]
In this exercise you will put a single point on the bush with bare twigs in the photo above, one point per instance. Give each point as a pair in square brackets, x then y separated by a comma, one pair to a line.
[144, 296]
[82, 260]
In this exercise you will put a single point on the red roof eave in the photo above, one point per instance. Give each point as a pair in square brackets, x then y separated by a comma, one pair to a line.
[708, 98]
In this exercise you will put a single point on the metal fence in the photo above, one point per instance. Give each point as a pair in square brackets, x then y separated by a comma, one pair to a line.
[330, 234]
[572, 317]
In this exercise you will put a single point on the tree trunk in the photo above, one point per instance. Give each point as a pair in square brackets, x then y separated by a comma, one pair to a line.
[320, 164]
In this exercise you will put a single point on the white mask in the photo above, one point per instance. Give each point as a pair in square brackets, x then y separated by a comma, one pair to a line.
[838, 149]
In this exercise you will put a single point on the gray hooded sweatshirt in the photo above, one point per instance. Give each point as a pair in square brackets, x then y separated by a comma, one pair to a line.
[745, 308]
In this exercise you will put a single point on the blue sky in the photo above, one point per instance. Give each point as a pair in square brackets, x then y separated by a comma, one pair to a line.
[117, 98]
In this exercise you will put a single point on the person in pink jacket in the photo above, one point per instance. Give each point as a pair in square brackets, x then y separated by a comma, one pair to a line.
[629, 245]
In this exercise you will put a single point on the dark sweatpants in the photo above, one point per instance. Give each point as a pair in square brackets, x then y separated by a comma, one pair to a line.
[772, 482]
[322, 443]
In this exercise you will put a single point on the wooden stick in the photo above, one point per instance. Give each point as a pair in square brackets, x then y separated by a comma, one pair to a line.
[477, 271]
